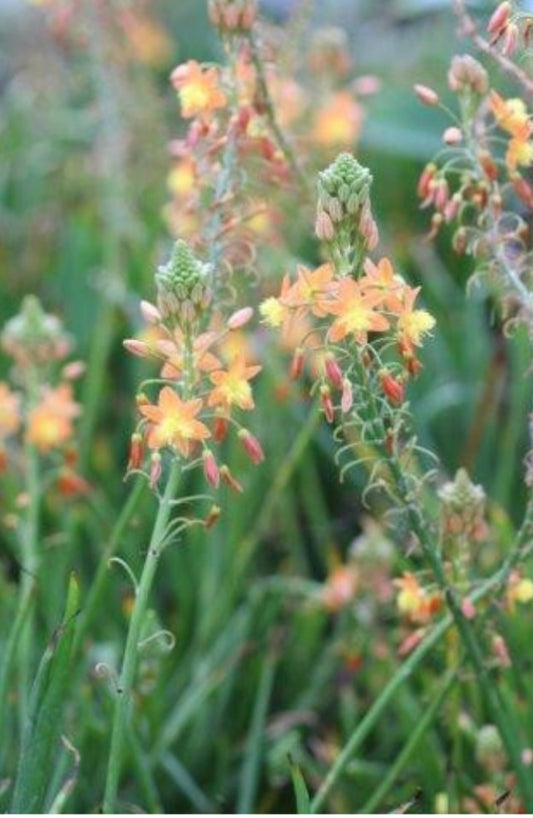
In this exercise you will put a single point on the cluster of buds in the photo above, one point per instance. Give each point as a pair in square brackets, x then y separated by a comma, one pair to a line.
[232, 16]
[33, 338]
[183, 288]
[202, 386]
[43, 411]
[344, 215]
[463, 508]
[331, 313]
[506, 29]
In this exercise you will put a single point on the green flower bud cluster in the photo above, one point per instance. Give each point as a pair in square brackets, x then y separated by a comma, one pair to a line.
[33, 337]
[344, 215]
[462, 496]
[344, 187]
[183, 292]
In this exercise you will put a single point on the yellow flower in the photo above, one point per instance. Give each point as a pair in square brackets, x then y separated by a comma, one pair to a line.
[519, 152]
[413, 324]
[273, 312]
[173, 422]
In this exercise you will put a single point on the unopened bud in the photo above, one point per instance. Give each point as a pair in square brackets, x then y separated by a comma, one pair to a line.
[252, 446]
[239, 318]
[211, 472]
[452, 136]
[426, 95]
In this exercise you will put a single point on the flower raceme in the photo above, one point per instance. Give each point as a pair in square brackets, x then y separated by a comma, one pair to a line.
[204, 379]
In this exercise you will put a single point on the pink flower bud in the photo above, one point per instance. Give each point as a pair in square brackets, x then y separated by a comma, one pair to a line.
[499, 19]
[467, 608]
[252, 446]
[155, 469]
[73, 370]
[297, 364]
[333, 371]
[426, 95]
[510, 40]
[239, 318]
[452, 136]
[347, 396]
[136, 347]
[324, 228]
[136, 452]
[327, 405]
[150, 313]
[211, 472]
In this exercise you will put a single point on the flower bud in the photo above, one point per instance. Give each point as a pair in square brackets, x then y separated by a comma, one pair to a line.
[327, 405]
[240, 318]
[211, 471]
[227, 477]
[252, 446]
[426, 95]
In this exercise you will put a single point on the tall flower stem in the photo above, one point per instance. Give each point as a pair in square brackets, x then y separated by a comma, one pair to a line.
[129, 662]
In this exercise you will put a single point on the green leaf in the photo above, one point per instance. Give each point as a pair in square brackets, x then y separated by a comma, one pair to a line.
[303, 802]
[42, 731]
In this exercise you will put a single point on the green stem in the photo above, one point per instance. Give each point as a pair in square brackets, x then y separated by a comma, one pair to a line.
[270, 116]
[30, 567]
[401, 760]
[129, 662]
[94, 597]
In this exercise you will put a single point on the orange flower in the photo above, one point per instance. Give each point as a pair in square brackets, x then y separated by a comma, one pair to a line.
[383, 279]
[511, 115]
[50, 422]
[198, 89]
[232, 387]
[338, 123]
[355, 313]
[413, 324]
[182, 177]
[173, 351]
[9, 411]
[173, 422]
[312, 289]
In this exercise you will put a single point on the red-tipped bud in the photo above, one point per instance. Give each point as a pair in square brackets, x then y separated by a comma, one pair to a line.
[239, 318]
[499, 19]
[150, 313]
[211, 472]
[227, 477]
[212, 516]
[393, 388]
[490, 168]
[347, 396]
[426, 95]
[136, 452]
[139, 348]
[333, 371]
[252, 446]
[327, 405]
[452, 207]
[155, 469]
[423, 189]
[220, 428]
[297, 364]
